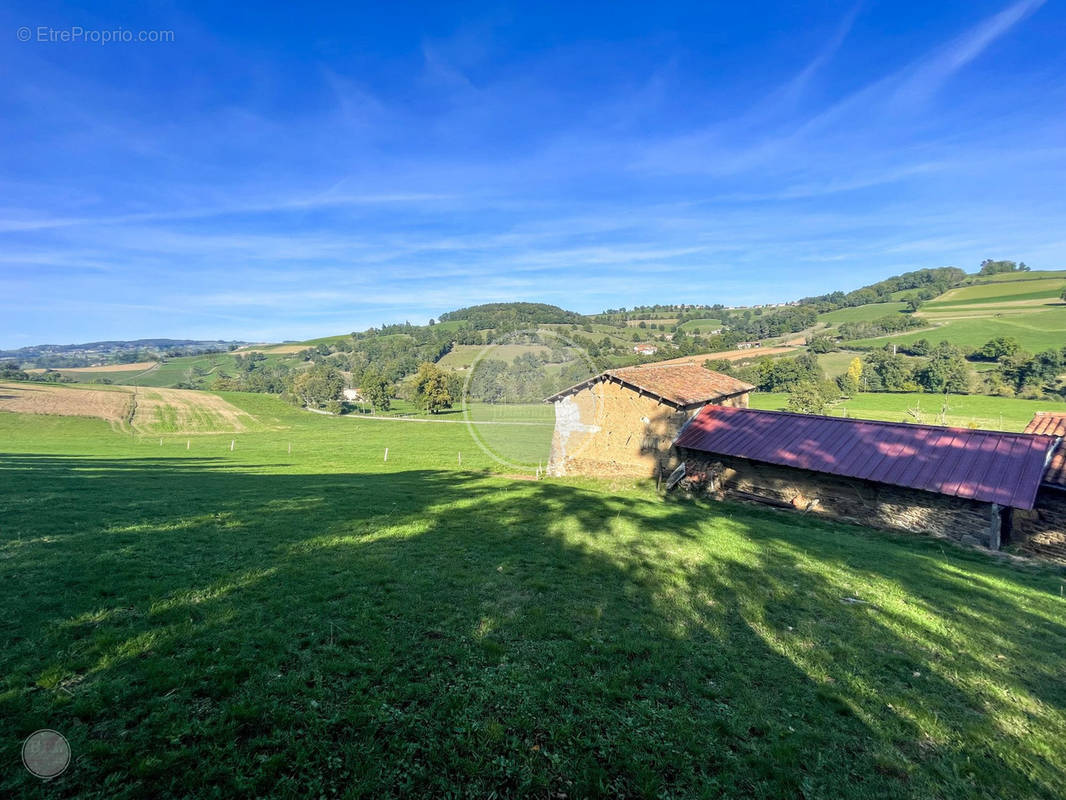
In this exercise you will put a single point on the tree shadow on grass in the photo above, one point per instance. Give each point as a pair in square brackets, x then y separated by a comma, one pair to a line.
[195, 629]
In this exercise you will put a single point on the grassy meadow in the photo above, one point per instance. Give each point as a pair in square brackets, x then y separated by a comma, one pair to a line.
[866, 313]
[993, 413]
[702, 325]
[1025, 307]
[1035, 331]
[298, 617]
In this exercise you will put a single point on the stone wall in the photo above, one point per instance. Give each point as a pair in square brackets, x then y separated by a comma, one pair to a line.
[871, 504]
[609, 429]
[1042, 530]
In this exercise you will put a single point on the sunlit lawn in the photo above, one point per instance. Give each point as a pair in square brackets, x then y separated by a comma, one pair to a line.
[995, 413]
[324, 623]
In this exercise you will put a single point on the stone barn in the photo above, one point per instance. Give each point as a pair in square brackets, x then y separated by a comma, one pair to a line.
[1043, 529]
[958, 483]
[623, 421]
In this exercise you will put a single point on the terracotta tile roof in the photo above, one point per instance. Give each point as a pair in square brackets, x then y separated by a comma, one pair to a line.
[681, 385]
[989, 466]
[1052, 423]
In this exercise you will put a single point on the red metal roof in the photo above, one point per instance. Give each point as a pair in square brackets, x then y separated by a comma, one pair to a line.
[1052, 423]
[990, 466]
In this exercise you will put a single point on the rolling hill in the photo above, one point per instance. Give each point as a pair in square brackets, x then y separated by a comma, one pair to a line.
[970, 311]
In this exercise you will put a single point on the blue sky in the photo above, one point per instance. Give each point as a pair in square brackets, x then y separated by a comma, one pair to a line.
[279, 172]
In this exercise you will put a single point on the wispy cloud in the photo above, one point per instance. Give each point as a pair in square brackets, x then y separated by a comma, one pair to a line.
[918, 84]
[285, 192]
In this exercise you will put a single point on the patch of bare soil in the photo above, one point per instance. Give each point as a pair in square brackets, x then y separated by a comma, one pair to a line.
[140, 366]
[730, 355]
[65, 401]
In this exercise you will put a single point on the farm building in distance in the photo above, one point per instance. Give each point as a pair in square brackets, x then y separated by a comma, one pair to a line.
[1043, 529]
[973, 486]
[623, 421]
[645, 349]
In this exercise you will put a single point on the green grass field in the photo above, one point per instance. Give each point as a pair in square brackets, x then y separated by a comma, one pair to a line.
[866, 313]
[704, 325]
[994, 413]
[995, 294]
[462, 356]
[321, 622]
[1013, 277]
[103, 376]
[173, 371]
[1042, 329]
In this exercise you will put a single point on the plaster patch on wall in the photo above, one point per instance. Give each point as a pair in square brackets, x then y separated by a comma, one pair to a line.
[567, 422]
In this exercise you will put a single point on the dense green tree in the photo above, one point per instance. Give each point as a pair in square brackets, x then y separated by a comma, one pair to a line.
[821, 344]
[995, 349]
[432, 390]
[1024, 371]
[886, 371]
[811, 397]
[784, 374]
[376, 389]
[920, 347]
[316, 387]
[946, 371]
[990, 267]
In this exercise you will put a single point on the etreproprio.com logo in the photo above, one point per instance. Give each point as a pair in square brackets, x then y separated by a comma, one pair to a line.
[76, 34]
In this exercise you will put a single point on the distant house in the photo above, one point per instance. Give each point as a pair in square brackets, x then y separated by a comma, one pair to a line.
[645, 349]
[748, 345]
[623, 421]
[1043, 529]
[968, 485]
[353, 396]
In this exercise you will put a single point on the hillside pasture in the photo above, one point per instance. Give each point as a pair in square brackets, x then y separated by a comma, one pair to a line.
[635, 323]
[705, 324]
[462, 356]
[1035, 330]
[866, 313]
[991, 413]
[989, 296]
[185, 411]
[298, 617]
[1014, 277]
[112, 373]
[177, 370]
